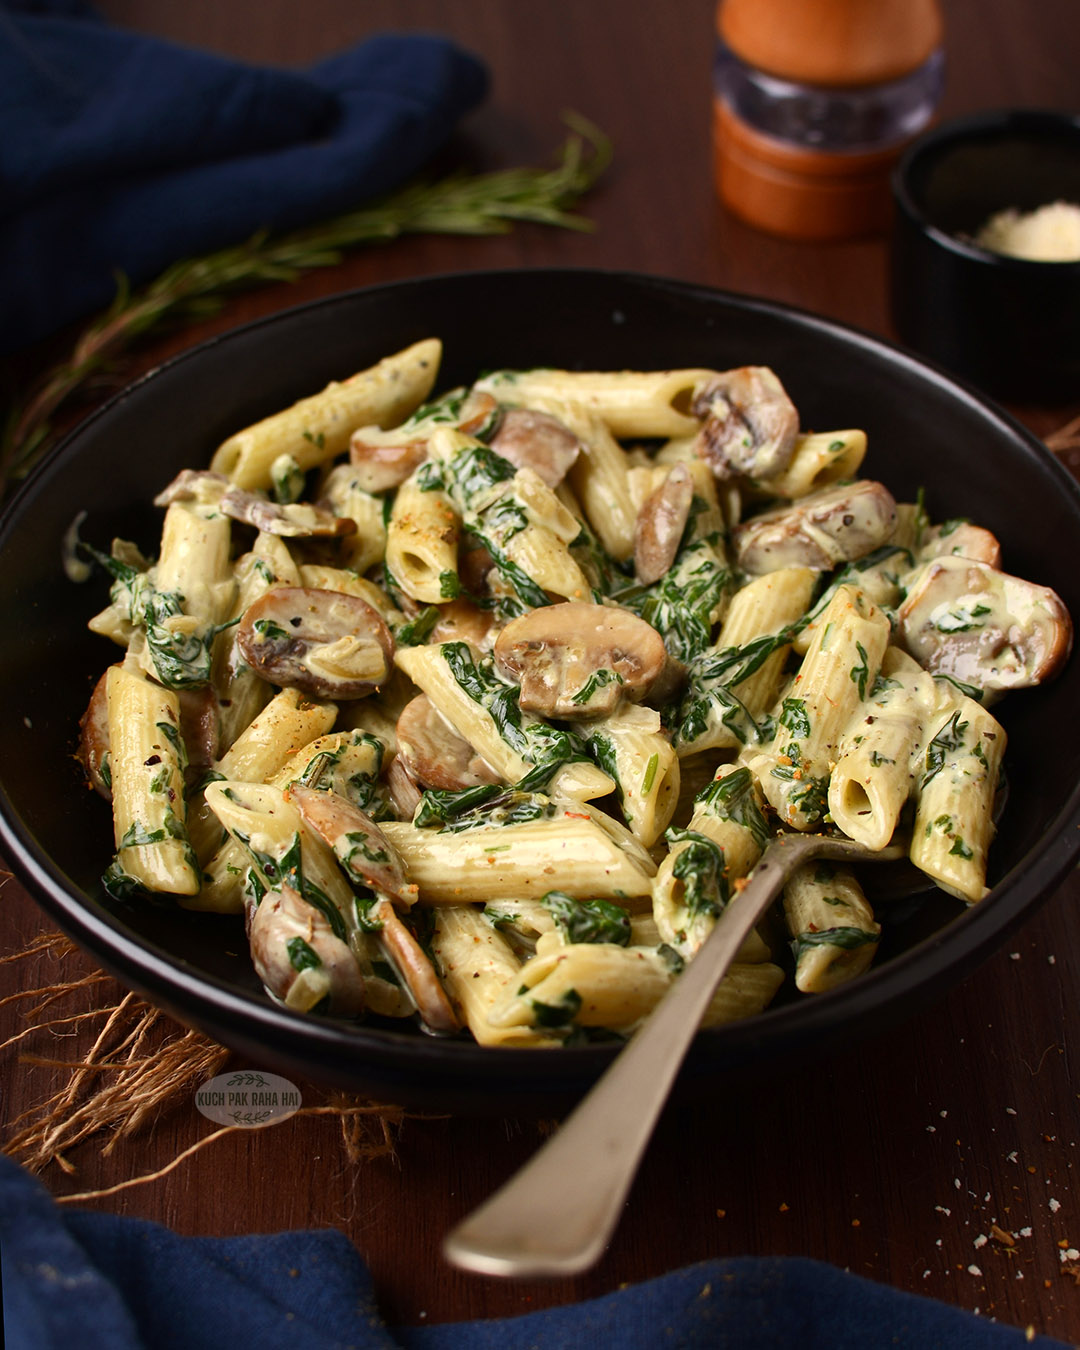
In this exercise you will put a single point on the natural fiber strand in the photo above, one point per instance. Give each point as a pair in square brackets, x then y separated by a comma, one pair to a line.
[349, 1115]
[139, 1066]
[1065, 438]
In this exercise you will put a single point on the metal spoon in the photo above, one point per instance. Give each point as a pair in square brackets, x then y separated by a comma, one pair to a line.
[557, 1214]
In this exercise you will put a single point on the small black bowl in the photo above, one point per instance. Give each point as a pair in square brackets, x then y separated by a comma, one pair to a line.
[1010, 324]
[925, 432]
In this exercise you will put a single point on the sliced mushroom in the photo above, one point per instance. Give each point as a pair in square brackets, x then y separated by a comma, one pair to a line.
[537, 441]
[296, 520]
[434, 753]
[416, 970]
[578, 660]
[382, 467]
[960, 539]
[404, 792]
[299, 958]
[359, 845]
[462, 621]
[818, 531]
[660, 525]
[200, 726]
[192, 485]
[749, 426]
[474, 566]
[369, 859]
[326, 643]
[384, 459]
[983, 627]
[93, 751]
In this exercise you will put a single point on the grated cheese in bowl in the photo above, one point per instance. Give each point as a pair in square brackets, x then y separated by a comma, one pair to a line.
[1050, 234]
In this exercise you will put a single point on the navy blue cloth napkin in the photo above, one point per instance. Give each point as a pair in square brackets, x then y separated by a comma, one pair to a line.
[104, 1282]
[124, 152]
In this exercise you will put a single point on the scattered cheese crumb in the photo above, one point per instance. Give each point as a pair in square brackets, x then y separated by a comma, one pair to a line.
[1055, 1205]
[942, 1210]
[981, 1240]
[1009, 1111]
[1014, 956]
[1025, 1232]
[974, 1270]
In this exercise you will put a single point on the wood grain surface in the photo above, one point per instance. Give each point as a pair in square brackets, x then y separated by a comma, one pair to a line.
[899, 1160]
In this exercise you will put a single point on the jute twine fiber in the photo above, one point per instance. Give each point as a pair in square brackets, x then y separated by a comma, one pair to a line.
[127, 1065]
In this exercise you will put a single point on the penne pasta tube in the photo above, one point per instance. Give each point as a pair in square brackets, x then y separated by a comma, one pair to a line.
[146, 764]
[696, 880]
[954, 815]
[724, 704]
[572, 848]
[317, 429]
[478, 966]
[836, 674]
[422, 543]
[833, 931]
[874, 774]
[345, 497]
[820, 459]
[630, 403]
[630, 746]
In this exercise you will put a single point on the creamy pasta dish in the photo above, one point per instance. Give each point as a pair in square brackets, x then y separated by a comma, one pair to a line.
[481, 707]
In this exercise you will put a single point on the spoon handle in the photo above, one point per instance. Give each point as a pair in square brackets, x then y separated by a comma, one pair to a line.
[556, 1215]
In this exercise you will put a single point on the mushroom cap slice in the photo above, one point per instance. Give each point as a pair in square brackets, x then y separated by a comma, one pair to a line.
[749, 426]
[434, 753]
[297, 520]
[365, 853]
[660, 525]
[380, 467]
[578, 659]
[284, 922]
[461, 620]
[960, 539]
[191, 485]
[983, 627]
[818, 531]
[326, 643]
[415, 968]
[93, 749]
[403, 790]
[535, 440]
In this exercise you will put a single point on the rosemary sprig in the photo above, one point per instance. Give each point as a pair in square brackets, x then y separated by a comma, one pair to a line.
[195, 288]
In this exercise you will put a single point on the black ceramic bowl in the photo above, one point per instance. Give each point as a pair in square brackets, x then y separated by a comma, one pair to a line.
[1010, 324]
[924, 432]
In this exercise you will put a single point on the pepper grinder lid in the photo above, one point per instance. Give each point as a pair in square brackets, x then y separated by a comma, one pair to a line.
[814, 101]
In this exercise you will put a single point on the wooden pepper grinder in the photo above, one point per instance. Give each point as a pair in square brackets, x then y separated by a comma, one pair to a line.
[813, 102]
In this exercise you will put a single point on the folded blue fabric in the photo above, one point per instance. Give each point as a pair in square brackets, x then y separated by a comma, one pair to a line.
[121, 152]
[105, 1282]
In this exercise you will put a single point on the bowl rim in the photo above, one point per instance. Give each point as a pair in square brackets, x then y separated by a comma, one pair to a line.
[958, 946]
[973, 128]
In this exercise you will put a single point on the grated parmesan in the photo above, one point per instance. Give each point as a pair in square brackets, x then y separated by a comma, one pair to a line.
[1050, 234]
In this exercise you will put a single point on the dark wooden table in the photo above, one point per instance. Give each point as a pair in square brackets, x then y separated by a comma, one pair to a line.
[896, 1160]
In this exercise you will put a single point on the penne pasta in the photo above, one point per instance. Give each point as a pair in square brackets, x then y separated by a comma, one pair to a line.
[482, 710]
